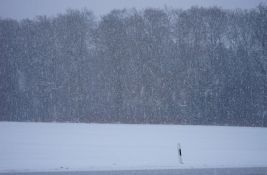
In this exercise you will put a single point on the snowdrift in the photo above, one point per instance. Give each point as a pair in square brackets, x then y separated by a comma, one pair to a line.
[85, 147]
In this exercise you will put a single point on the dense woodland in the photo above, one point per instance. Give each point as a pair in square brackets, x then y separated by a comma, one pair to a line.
[168, 66]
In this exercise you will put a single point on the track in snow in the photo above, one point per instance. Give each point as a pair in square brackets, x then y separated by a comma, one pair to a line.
[207, 171]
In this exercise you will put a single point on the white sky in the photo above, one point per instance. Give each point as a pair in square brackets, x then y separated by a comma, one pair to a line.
[20, 9]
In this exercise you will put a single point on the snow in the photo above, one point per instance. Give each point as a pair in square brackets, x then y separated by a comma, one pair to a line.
[29, 147]
[30, 8]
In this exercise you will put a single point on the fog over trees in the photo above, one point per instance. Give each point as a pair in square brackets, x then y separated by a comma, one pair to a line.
[168, 66]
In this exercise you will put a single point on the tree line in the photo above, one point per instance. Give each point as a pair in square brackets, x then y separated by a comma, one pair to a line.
[167, 66]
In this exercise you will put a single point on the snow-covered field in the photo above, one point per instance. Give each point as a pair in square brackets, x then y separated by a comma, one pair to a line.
[84, 147]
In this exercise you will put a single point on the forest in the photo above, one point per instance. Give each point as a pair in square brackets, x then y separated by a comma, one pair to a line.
[199, 66]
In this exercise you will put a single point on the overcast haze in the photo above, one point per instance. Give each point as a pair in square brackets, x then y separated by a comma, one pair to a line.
[20, 9]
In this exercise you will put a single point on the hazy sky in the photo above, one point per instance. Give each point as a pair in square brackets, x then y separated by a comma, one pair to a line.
[20, 9]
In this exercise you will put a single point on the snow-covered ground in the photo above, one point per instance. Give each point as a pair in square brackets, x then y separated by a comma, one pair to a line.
[85, 147]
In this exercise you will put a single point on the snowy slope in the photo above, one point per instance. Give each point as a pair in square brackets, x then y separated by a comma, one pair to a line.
[70, 147]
